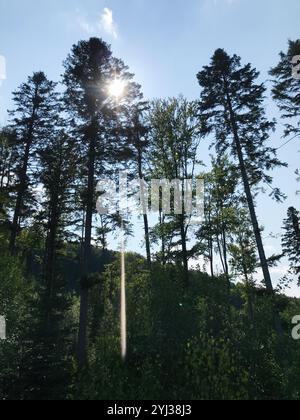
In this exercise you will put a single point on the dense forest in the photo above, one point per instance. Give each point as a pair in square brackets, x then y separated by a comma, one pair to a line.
[194, 332]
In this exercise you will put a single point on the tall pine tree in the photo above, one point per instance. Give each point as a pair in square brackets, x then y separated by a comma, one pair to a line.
[31, 120]
[231, 108]
[89, 71]
[58, 162]
[291, 240]
[286, 87]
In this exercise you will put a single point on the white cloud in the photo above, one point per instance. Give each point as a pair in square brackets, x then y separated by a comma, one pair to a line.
[108, 24]
[105, 24]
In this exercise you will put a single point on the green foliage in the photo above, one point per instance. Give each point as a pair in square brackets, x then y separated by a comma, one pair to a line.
[231, 108]
[173, 155]
[190, 335]
[14, 293]
[36, 356]
[291, 241]
[186, 344]
[183, 343]
[214, 370]
[286, 88]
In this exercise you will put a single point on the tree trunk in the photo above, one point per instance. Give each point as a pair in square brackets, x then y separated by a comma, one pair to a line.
[22, 186]
[20, 197]
[257, 231]
[147, 240]
[49, 266]
[211, 258]
[163, 241]
[210, 244]
[249, 296]
[220, 253]
[87, 250]
[226, 258]
[145, 207]
[50, 254]
[250, 201]
[184, 251]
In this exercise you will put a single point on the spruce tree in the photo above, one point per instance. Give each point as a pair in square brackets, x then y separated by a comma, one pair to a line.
[31, 120]
[286, 87]
[8, 156]
[231, 108]
[95, 119]
[291, 240]
[58, 163]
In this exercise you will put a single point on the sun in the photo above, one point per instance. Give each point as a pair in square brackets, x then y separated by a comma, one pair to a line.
[116, 88]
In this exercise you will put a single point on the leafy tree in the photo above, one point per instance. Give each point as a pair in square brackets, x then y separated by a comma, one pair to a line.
[138, 131]
[225, 381]
[220, 205]
[173, 156]
[243, 252]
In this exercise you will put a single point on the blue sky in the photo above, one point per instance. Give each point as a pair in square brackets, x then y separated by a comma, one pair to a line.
[165, 43]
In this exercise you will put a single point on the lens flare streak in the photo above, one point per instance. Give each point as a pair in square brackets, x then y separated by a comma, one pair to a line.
[123, 298]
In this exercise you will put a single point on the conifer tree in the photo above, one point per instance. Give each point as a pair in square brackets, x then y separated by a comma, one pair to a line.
[286, 87]
[31, 120]
[231, 108]
[95, 117]
[7, 159]
[291, 240]
[58, 162]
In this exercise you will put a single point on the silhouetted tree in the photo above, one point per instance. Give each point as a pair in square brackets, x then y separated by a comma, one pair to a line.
[291, 240]
[32, 119]
[8, 156]
[286, 87]
[138, 135]
[231, 108]
[58, 161]
[89, 70]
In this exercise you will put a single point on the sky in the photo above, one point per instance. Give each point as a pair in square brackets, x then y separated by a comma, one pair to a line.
[165, 43]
